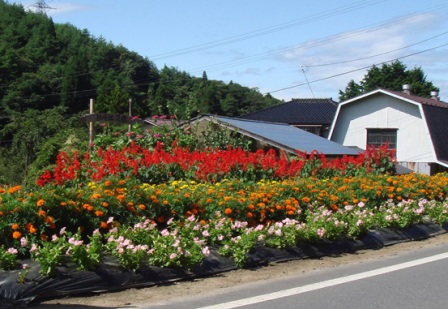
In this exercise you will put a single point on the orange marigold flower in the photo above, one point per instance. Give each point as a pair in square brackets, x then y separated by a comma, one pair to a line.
[63, 204]
[42, 213]
[109, 192]
[43, 237]
[32, 230]
[14, 189]
[105, 204]
[16, 235]
[49, 219]
[99, 213]
[120, 197]
[160, 219]
[40, 202]
[96, 195]
[228, 211]
[165, 202]
[250, 215]
[15, 226]
[142, 206]
[306, 199]
[187, 195]
[103, 225]
[107, 183]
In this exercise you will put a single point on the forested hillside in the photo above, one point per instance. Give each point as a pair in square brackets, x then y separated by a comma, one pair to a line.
[49, 72]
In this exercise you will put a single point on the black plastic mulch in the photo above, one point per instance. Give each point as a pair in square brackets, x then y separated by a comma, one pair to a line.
[111, 277]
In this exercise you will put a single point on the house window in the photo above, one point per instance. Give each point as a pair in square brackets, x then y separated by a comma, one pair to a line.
[380, 137]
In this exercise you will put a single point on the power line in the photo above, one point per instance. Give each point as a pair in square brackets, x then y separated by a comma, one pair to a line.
[373, 56]
[326, 40]
[356, 70]
[241, 37]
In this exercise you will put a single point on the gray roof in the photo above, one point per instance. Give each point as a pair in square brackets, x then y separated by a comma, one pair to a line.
[298, 112]
[285, 136]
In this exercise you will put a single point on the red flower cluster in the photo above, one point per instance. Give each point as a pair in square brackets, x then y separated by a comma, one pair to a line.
[207, 164]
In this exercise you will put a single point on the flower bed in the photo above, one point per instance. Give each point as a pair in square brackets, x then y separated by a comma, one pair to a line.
[131, 203]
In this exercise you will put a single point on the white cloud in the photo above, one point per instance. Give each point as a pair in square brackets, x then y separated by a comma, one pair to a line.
[356, 51]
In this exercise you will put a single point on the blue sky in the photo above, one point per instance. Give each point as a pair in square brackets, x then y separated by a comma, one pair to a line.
[289, 48]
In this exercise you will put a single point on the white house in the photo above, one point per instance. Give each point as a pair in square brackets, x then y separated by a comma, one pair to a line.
[416, 127]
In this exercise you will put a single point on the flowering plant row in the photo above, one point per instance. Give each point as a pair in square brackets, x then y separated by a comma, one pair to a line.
[185, 243]
[211, 165]
[97, 218]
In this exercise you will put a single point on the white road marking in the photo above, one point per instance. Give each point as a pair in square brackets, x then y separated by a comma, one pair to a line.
[325, 284]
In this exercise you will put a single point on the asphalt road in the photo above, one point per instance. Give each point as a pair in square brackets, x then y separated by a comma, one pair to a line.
[416, 279]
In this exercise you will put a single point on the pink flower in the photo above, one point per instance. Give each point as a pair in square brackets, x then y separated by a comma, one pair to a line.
[12, 251]
[23, 242]
[206, 251]
[173, 256]
[33, 248]
[321, 232]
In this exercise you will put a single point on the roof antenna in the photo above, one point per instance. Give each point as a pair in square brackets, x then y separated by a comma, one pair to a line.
[309, 86]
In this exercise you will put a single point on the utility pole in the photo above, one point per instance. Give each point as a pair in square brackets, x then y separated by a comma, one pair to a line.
[42, 7]
[91, 127]
[130, 114]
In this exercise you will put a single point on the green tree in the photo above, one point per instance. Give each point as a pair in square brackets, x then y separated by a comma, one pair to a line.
[392, 77]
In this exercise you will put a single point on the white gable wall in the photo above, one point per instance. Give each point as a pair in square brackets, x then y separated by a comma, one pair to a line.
[383, 111]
